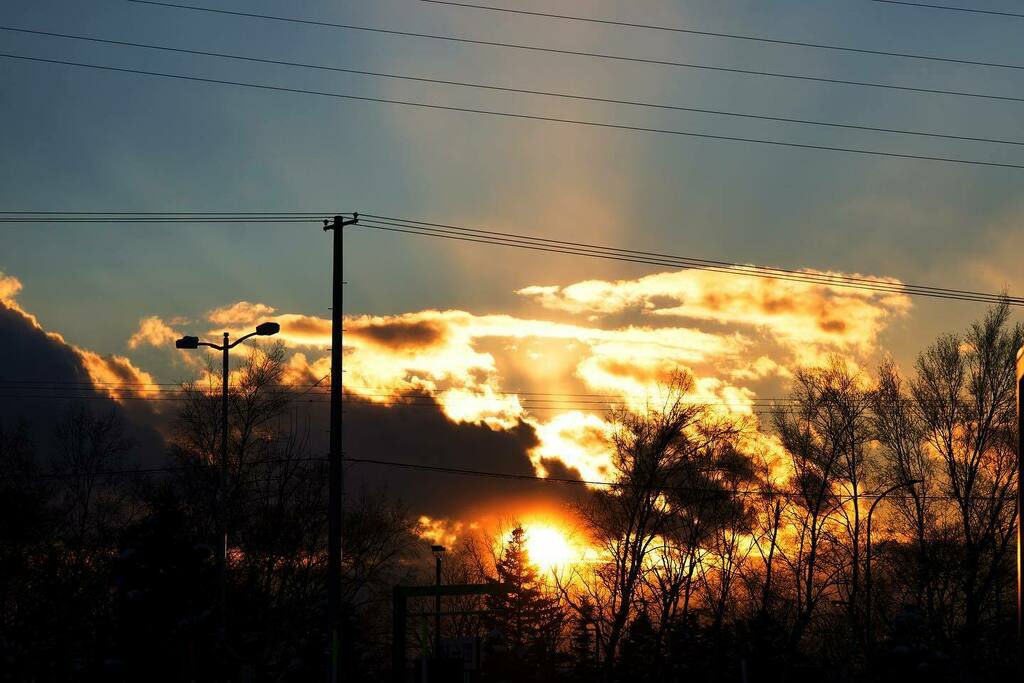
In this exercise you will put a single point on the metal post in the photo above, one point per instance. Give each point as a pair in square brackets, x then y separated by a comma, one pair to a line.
[335, 464]
[222, 502]
[398, 636]
[437, 607]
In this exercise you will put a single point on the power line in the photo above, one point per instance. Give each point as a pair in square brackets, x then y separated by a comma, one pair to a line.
[427, 402]
[951, 8]
[204, 221]
[656, 487]
[512, 239]
[308, 214]
[359, 396]
[530, 117]
[598, 55]
[609, 253]
[522, 91]
[160, 470]
[716, 491]
[359, 393]
[448, 231]
[733, 36]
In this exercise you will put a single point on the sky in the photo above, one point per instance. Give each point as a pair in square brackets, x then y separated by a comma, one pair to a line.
[477, 330]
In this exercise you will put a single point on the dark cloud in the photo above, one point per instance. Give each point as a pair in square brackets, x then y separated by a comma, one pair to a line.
[832, 325]
[401, 334]
[422, 434]
[42, 377]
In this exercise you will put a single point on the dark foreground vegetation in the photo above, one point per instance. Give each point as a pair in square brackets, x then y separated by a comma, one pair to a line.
[723, 553]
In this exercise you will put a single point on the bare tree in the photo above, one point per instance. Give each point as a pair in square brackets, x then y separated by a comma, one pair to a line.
[657, 456]
[905, 456]
[823, 435]
[93, 504]
[729, 517]
[964, 392]
[276, 499]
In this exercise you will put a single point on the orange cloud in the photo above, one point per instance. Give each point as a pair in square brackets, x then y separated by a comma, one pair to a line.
[116, 375]
[241, 313]
[440, 531]
[736, 335]
[577, 439]
[154, 332]
[9, 286]
[297, 330]
[810, 319]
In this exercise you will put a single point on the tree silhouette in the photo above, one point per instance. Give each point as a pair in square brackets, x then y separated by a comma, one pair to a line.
[526, 615]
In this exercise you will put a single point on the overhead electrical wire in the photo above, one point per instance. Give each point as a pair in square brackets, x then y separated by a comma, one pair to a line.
[522, 91]
[595, 251]
[574, 248]
[158, 470]
[357, 390]
[580, 53]
[530, 117]
[426, 402]
[715, 34]
[951, 8]
[584, 249]
[526, 400]
[717, 491]
[539, 398]
[358, 393]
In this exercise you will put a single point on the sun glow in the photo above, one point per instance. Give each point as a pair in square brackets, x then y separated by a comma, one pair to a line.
[548, 547]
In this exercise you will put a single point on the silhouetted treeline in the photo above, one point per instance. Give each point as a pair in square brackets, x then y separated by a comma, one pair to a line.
[724, 551]
[109, 573]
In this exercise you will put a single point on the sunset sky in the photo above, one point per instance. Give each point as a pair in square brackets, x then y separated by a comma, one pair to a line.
[491, 332]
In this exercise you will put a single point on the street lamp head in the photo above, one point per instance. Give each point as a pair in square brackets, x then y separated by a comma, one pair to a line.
[267, 329]
[438, 550]
[187, 343]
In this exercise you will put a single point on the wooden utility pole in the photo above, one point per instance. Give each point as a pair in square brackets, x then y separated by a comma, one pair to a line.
[335, 462]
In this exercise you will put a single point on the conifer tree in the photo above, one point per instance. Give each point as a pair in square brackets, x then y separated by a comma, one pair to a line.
[525, 615]
[582, 645]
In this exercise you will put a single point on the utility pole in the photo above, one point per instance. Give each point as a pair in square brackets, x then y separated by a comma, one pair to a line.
[335, 464]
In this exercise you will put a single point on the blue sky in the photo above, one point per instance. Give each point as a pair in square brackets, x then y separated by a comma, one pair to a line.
[78, 139]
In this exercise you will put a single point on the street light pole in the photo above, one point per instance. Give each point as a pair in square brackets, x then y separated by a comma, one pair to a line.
[438, 551]
[867, 566]
[263, 330]
[222, 494]
[336, 488]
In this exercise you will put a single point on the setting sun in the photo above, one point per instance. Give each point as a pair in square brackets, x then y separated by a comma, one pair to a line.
[548, 547]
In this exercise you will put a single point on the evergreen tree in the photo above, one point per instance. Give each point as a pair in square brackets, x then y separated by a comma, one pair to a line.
[526, 615]
[581, 643]
[640, 655]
